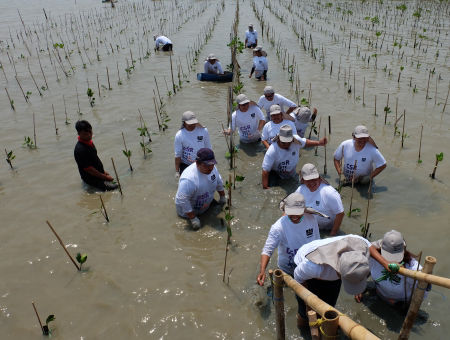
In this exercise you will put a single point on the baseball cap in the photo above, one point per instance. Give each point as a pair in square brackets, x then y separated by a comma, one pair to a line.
[206, 156]
[257, 49]
[393, 246]
[212, 57]
[354, 269]
[269, 90]
[242, 99]
[360, 132]
[294, 204]
[275, 109]
[189, 117]
[250, 25]
[286, 134]
[309, 171]
[303, 114]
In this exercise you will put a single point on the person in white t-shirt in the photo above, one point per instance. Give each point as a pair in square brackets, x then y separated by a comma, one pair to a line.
[322, 197]
[162, 42]
[280, 160]
[271, 98]
[392, 289]
[260, 64]
[302, 116]
[212, 65]
[196, 188]
[322, 264]
[188, 140]
[364, 151]
[251, 37]
[248, 119]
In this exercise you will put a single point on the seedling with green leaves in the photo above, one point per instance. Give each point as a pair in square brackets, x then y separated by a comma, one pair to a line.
[304, 102]
[354, 210]
[439, 158]
[9, 157]
[45, 328]
[81, 258]
[28, 142]
[91, 97]
[237, 44]
[127, 152]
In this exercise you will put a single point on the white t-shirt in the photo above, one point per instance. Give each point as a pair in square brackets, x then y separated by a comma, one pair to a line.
[368, 155]
[301, 127]
[161, 41]
[215, 68]
[392, 290]
[289, 237]
[247, 123]
[187, 143]
[270, 130]
[260, 64]
[278, 99]
[251, 37]
[196, 190]
[307, 269]
[282, 161]
[326, 200]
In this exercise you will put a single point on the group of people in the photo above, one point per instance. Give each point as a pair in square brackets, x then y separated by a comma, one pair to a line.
[319, 264]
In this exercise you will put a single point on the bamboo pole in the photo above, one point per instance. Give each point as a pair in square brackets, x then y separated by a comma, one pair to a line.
[375, 112]
[11, 102]
[171, 72]
[369, 192]
[98, 86]
[420, 143]
[279, 303]
[54, 119]
[318, 135]
[39, 319]
[364, 90]
[330, 324]
[325, 155]
[34, 131]
[64, 247]
[403, 128]
[103, 209]
[350, 328]
[416, 299]
[117, 176]
[21, 89]
[386, 110]
[312, 319]
[353, 186]
[425, 277]
[445, 104]
[107, 75]
[156, 113]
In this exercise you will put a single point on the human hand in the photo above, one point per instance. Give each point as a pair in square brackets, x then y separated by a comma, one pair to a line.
[323, 141]
[358, 298]
[196, 224]
[260, 278]
[108, 178]
[177, 174]
[223, 199]
[250, 76]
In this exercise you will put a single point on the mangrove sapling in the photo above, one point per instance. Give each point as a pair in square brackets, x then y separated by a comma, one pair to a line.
[91, 97]
[439, 158]
[28, 142]
[103, 210]
[9, 157]
[45, 328]
[81, 258]
[127, 152]
[63, 246]
[67, 122]
[11, 102]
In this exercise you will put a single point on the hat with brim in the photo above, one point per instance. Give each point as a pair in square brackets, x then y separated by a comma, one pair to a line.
[294, 204]
[242, 99]
[212, 57]
[285, 134]
[303, 114]
[309, 172]
[206, 156]
[361, 132]
[354, 270]
[250, 25]
[275, 109]
[189, 118]
[393, 246]
[269, 90]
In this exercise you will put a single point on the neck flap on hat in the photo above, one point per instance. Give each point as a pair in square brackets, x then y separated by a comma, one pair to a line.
[330, 253]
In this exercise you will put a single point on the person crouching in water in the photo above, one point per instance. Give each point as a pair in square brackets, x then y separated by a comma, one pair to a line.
[212, 65]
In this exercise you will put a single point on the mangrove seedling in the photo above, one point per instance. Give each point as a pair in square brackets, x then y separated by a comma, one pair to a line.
[9, 157]
[439, 158]
[91, 97]
[81, 258]
[304, 102]
[29, 93]
[354, 210]
[28, 142]
[45, 328]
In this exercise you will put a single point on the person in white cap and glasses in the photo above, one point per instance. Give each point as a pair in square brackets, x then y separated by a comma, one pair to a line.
[364, 151]
[322, 197]
[271, 98]
[191, 137]
[197, 186]
[260, 64]
[251, 37]
[163, 43]
[212, 65]
[294, 229]
[272, 127]
[323, 264]
[280, 160]
[392, 288]
[302, 116]
[248, 119]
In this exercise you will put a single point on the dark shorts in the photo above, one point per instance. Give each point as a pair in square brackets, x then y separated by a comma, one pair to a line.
[327, 291]
[182, 167]
[251, 46]
[167, 47]
[274, 178]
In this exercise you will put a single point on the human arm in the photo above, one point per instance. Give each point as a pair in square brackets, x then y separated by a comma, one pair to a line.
[378, 161]
[272, 242]
[94, 172]
[262, 272]
[177, 165]
[186, 191]
[206, 140]
[321, 142]
[261, 125]
[265, 179]
[377, 171]
[337, 223]
[251, 72]
[377, 256]
[219, 68]
[266, 144]
[337, 165]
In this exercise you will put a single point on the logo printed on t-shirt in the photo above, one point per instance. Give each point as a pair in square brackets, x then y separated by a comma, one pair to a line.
[213, 177]
[293, 153]
[363, 159]
[317, 202]
[199, 138]
[253, 115]
[309, 232]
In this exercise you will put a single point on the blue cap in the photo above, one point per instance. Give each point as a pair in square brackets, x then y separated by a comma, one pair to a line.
[205, 155]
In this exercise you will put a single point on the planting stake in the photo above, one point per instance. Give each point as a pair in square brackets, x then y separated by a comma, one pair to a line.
[318, 135]
[329, 126]
[11, 102]
[369, 192]
[448, 91]
[104, 213]
[98, 86]
[403, 128]
[420, 143]
[107, 75]
[386, 109]
[34, 80]
[171, 72]
[34, 131]
[39, 319]
[375, 113]
[117, 176]
[364, 89]
[54, 119]
[156, 113]
[26, 98]
[325, 157]
[64, 247]
[78, 101]
[353, 186]
[428, 86]
[65, 110]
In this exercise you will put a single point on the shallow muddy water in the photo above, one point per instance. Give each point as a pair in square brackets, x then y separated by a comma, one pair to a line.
[148, 275]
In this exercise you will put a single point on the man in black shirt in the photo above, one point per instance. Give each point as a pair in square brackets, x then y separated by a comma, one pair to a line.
[89, 165]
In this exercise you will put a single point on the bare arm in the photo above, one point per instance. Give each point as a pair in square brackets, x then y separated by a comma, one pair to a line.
[265, 143]
[287, 117]
[262, 273]
[337, 165]
[265, 179]
[377, 171]
[337, 223]
[377, 256]
[290, 110]
[94, 172]
[323, 141]
[261, 125]
[177, 164]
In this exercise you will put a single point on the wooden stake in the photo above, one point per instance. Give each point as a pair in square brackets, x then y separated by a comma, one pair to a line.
[117, 176]
[375, 113]
[329, 125]
[64, 247]
[386, 109]
[118, 74]
[126, 150]
[98, 86]
[171, 72]
[11, 102]
[364, 90]
[34, 80]
[448, 91]
[420, 143]
[325, 157]
[353, 186]
[428, 86]
[78, 101]
[279, 304]
[107, 75]
[156, 113]
[21, 89]
[65, 110]
[39, 319]
[54, 119]
[369, 193]
[403, 128]
[312, 318]
[103, 209]
[34, 131]
[318, 135]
